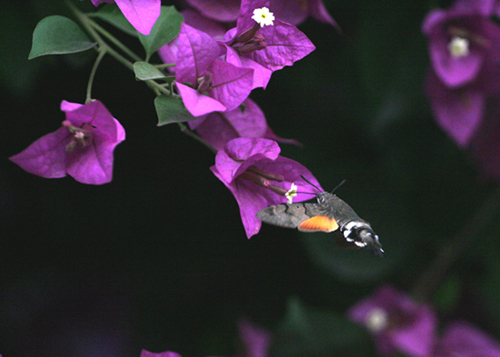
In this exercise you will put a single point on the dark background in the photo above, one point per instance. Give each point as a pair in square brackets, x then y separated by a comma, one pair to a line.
[159, 260]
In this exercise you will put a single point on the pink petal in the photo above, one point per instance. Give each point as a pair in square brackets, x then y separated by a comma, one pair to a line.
[197, 103]
[46, 156]
[220, 10]
[285, 45]
[196, 51]
[458, 111]
[231, 84]
[261, 75]
[142, 14]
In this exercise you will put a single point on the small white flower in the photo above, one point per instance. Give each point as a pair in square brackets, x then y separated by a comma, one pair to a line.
[459, 46]
[292, 192]
[377, 320]
[263, 16]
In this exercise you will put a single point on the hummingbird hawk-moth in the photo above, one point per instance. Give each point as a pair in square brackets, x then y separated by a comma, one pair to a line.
[327, 215]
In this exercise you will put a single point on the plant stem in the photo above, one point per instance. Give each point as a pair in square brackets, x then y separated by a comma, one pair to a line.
[114, 40]
[92, 75]
[435, 273]
[189, 133]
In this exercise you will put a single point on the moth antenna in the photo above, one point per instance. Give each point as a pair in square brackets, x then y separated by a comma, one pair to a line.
[310, 183]
[340, 184]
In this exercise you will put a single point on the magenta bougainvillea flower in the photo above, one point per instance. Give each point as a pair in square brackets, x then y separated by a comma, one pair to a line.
[464, 340]
[463, 41]
[397, 322]
[270, 46]
[258, 177]
[82, 147]
[214, 85]
[247, 121]
[293, 12]
[464, 46]
[142, 14]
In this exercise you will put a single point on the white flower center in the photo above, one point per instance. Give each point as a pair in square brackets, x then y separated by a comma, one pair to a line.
[292, 192]
[263, 17]
[377, 320]
[459, 46]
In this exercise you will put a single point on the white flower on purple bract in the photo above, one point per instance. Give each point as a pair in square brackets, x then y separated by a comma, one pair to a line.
[464, 340]
[293, 12]
[462, 41]
[397, 322]
[464, 85]
[142, 14]
[258, 177]
[269, 47]
[83, 147]
[215, 85]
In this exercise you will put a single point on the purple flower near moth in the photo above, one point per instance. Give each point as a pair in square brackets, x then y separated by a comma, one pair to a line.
[397, 322]
[291, 11]
[462, 41]
[226, 85]
[464, 340]
[142, 14]
[258, 177]
[247, 120]
[82, 147]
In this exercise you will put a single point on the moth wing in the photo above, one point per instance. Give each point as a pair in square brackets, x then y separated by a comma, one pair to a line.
[284, 215]
[290, 215]
[319, 223]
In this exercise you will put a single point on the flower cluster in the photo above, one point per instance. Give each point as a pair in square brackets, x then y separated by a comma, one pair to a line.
[216, 68]
[464, 84]
[217, 62]
[401, 325]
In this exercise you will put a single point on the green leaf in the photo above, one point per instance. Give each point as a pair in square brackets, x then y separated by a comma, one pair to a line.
[171, 110]
[145, 71]
[57, 35]
[166, 28]
[113, 15]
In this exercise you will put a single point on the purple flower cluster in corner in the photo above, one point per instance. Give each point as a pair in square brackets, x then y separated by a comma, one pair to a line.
[464, 84]
[82, 147]
[401, 325]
